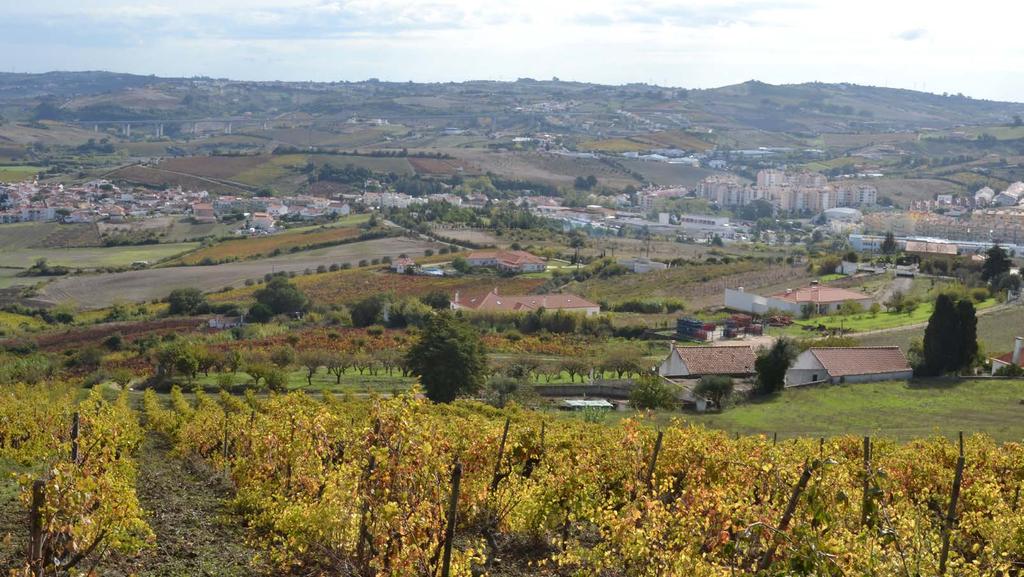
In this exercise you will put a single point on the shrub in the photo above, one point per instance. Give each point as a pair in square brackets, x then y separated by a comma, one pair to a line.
[979, 294]
[651, 392]
[260, 313]
[282, 356]
[114, 342]
[276, 380]
[715, 388]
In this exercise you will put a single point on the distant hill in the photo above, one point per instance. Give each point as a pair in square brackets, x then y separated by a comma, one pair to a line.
[526, 104]
[818, 107]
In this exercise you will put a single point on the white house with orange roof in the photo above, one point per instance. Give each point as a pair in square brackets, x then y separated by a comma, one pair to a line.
[507, 260]
[823, 299]
[848, 365]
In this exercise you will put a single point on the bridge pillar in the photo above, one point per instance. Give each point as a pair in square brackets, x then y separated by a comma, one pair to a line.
[128, 129]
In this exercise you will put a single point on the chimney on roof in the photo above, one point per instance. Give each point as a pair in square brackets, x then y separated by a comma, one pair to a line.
[1018, 344]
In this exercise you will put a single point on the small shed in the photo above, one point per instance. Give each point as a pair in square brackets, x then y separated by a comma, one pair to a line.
[582, 404]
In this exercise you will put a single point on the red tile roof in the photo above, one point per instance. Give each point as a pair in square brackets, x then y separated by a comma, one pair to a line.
[821, 294]
[506, 257]
[843, 361]
[1007, 358]
[718, 360]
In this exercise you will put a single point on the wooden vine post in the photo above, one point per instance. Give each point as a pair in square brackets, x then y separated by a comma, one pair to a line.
[867, 482]
[950, 520]
[453, 511]
[75, 427]
[787, 516]
[496, 478]
[654, 460]
[35, 529]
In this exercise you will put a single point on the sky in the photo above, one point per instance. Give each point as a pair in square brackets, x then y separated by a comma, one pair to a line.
[938, 46]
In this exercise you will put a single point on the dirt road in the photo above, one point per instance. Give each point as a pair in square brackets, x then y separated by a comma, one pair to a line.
[186, 508]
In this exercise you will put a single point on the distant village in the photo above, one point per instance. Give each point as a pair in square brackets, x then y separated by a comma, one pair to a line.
[842, 206]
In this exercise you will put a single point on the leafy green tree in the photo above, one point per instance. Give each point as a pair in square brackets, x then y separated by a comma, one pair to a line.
[996, 263]
[312, 360]
[577, 240]
[283, 357]
[370, 310]
[282, 297]
[460, 264]
[771, 365]
[260, 313]
[889, 244]
[186, 301]
[651, 392]
[121, 377]
[276, 380]
[502, 387]
[715, 388]
[437, 300]
[187, 363]
[449, 358]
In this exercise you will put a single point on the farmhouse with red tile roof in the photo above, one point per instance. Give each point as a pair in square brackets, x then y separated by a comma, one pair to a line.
[507, 260]
[1012, 358]
[824, 299]
[700, 361]
[493, 302]
[849, 365]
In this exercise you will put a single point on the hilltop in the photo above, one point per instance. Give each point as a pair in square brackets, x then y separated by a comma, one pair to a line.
[523, 104]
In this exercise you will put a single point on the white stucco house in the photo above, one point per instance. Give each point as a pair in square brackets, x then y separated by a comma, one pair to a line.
[692, 362]
[848, 365]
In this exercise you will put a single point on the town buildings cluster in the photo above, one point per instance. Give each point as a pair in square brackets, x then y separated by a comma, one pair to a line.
[90, 202]
[791, 192]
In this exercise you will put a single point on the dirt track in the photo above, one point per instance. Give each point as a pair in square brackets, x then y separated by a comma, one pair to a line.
[186, 509]
[103, 290]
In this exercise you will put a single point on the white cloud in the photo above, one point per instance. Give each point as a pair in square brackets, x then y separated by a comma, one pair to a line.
[699, 43]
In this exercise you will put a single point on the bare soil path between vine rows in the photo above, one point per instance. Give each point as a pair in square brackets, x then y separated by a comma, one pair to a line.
[196, 533]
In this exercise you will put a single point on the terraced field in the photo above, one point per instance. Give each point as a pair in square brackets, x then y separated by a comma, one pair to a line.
[95, 257]
[103, 290]
[151, 176]
[244, 248]
[348, 286]
[47, 235]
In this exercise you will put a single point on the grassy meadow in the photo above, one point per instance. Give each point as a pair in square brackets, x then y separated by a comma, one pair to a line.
[897, 410]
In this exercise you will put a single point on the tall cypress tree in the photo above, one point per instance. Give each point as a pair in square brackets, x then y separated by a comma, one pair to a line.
[968, 321]
[941, 339]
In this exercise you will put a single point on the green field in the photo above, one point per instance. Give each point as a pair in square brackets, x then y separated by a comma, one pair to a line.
[115, 256]
[892, 409]
[17, 173]
[995, 332]
[864, 322]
